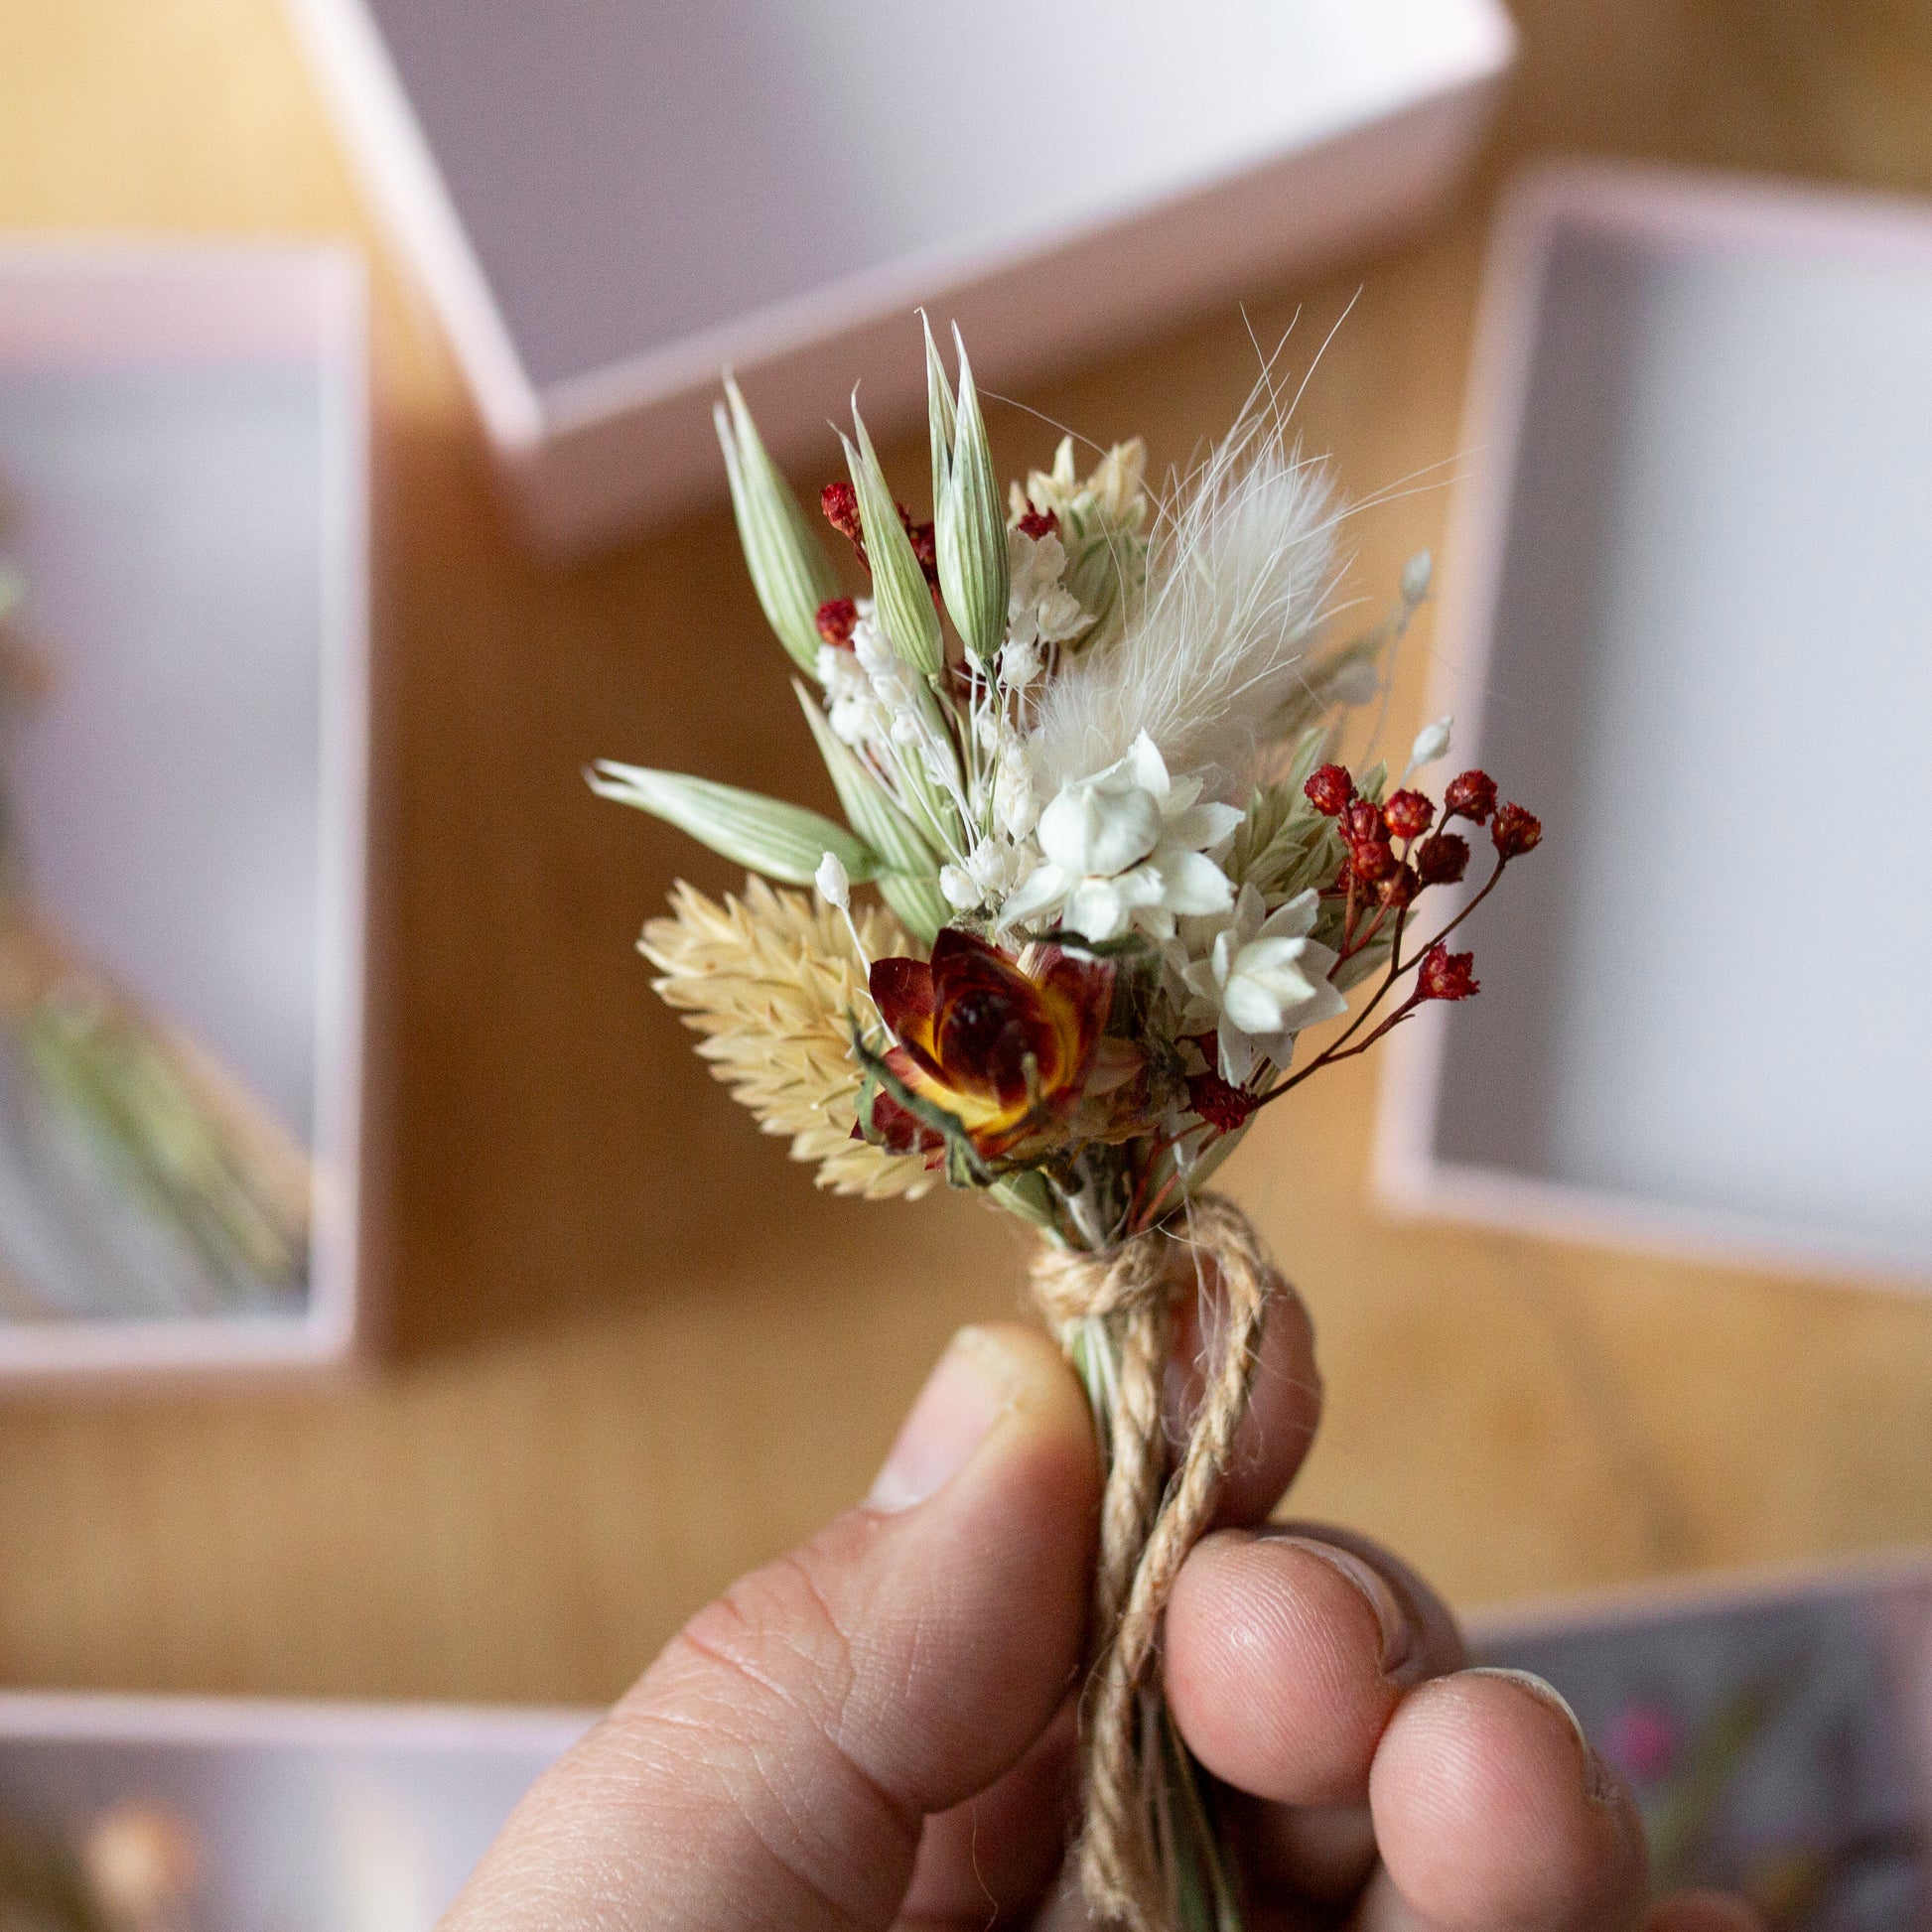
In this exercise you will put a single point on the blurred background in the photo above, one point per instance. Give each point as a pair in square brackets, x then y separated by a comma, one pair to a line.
[609, 1385]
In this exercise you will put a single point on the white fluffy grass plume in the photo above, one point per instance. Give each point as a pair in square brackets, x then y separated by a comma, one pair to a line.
[1240, 581]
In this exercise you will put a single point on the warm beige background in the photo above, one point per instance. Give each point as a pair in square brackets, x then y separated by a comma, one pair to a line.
[634, 1351]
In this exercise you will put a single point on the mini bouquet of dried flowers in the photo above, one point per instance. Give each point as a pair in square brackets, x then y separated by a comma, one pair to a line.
[1085, 747]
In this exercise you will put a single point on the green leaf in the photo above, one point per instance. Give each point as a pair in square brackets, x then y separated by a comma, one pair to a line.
[971, 531]
[785, 842]
[789, 568]
[899, 589]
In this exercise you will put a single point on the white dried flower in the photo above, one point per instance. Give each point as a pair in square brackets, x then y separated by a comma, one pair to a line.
[989, 872]
[834, 884]
[1019, 663]
[1263, 981]
[1114, 495]
[851, 708]
[1039, 610]
[1417, 573]
[1127, 849]
[1432, 743]
[1015, 801]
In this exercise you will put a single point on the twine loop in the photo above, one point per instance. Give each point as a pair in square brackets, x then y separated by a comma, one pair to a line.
[1156, 1505]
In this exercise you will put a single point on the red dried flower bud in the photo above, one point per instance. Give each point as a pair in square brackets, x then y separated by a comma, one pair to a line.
[1362, 824]
[840, 502]
[1442, 860]
[924, 546]
[1222, 1105]
[1446, 975]
[1331, 789]
[1039, 523]
[1516, 832]
[838, 618]
[1343, 882]
[1372, 860]
[1409, 814]
[1473, 795]
[1400, 887]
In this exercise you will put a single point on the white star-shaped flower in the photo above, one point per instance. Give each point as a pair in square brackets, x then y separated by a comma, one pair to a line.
[1127, 850]
[1261, 982]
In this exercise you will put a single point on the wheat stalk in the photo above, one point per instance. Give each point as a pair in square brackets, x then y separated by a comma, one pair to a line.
[775, 984]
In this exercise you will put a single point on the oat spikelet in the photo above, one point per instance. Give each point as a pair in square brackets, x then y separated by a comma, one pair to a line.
[772, 983]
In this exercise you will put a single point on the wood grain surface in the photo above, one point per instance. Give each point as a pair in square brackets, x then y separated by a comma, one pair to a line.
[634, 1351]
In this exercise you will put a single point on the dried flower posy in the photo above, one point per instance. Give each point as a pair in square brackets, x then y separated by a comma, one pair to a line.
[1084, 747]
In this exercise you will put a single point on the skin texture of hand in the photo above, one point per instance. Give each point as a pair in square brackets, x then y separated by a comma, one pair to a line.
[877, 1729]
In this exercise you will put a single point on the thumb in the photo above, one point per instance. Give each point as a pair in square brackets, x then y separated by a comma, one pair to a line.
[775, 1766]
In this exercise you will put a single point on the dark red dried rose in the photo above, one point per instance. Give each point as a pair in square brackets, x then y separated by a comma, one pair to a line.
[1005, 1052]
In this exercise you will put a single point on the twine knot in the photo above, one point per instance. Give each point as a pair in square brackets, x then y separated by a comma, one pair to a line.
[1114, 1309]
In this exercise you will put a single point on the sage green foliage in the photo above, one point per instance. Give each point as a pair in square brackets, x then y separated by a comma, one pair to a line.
[789, 569]
[899, 590]
[970, 528]
[1284, 845]
[782, 841]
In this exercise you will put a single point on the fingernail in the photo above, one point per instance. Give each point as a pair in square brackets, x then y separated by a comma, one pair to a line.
[962, 1399]
[1401, 1640]
[1599, 1785]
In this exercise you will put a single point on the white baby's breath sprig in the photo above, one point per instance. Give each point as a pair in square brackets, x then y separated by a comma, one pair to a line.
[835, 889]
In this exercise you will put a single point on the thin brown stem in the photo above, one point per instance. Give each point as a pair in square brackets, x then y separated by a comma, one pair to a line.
[1339, 1048]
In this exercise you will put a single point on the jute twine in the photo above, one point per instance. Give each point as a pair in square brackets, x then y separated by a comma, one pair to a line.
[1155, 1507]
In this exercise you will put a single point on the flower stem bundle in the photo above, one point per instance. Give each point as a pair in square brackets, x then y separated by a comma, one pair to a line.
[1085, 747]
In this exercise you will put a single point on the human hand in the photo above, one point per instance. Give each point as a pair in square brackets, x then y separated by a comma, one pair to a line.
[877, 1729]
